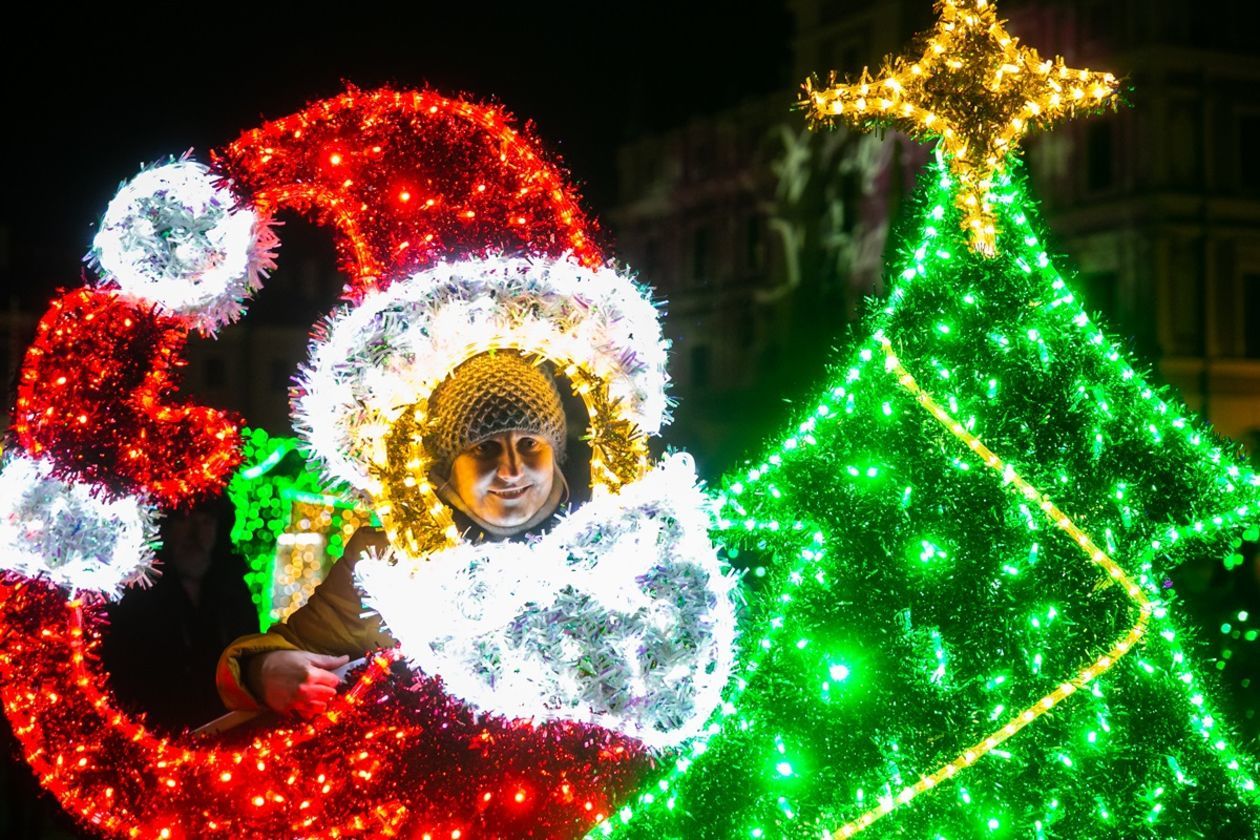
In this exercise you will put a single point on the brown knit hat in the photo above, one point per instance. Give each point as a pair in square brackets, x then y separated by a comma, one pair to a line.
[489, 394]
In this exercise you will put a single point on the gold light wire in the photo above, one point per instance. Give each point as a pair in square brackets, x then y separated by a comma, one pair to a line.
[976, 89]
[1066, 689]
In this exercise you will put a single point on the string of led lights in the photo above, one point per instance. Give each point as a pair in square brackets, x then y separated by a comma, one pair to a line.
[1096, 555]
[799, 536]
[346, 161]
[289, 529]
[977, 90]
[182, 248]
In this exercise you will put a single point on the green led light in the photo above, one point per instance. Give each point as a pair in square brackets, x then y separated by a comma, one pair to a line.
[965, 600]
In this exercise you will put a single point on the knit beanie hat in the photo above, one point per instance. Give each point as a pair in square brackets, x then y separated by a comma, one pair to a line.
[489, 394]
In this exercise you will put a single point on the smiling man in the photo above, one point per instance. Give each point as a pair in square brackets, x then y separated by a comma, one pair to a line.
[496, 439]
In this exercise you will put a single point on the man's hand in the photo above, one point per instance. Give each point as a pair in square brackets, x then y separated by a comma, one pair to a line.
[294, 680]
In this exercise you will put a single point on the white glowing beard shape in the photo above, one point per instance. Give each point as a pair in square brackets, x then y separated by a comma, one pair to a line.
[621, 616]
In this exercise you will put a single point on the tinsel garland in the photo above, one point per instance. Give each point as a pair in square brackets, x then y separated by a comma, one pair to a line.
[371, 361]
[175, 238]
[933, 651]
[409, 178]
[97, 399]
[62, 532]
[394, 755]
[974, 87]
[621, 615]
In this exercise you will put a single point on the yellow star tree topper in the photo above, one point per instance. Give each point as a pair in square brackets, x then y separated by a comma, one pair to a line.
[976, 89]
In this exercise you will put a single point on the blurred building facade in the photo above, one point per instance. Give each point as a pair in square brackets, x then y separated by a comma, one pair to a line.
[765, 239]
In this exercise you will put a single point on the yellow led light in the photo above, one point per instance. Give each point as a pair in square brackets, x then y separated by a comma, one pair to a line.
[968, 44]
[406, 503]
[1095, 555]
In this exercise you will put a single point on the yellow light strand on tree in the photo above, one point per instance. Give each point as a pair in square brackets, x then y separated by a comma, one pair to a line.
[976, 89]
[1065, 689]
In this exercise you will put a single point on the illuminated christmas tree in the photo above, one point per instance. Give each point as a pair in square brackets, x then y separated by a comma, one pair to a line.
[963, 624]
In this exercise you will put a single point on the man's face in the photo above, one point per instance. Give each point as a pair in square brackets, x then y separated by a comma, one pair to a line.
[505, 479]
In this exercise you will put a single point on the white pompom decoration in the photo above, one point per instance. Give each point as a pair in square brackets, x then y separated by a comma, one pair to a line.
[61, 532]
[176, 236]
[621, 616]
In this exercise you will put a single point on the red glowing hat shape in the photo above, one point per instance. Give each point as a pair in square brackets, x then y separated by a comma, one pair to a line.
[410, 178]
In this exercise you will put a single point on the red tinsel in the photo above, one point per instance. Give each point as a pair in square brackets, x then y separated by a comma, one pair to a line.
[394, 756]
[407, 178]
[404, 179]
[96, 395]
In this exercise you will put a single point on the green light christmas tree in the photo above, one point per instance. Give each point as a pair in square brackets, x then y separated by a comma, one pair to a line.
[966, 626]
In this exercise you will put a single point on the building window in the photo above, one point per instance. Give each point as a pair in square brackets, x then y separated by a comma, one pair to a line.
[1100, 154]
[1251, 315]
[700, 159]
[214, 372]
[1186, 304]
[1248, 153]
[1183, 141]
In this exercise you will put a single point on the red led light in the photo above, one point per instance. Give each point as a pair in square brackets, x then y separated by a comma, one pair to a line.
[394, 756]
[488, 187]
[97, 394]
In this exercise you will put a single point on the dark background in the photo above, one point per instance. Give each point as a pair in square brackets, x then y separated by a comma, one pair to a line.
[88, 108]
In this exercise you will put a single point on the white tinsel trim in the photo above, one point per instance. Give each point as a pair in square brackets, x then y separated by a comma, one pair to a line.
[621, 616]
[176, 237]
[60, 531]
[369, 362]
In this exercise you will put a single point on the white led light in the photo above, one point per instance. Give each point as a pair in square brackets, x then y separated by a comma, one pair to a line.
[369, 362]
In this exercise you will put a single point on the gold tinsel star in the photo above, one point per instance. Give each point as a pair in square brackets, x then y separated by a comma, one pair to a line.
[977, 90]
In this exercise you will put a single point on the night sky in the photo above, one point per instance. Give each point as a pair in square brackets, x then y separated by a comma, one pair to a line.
[88, 109]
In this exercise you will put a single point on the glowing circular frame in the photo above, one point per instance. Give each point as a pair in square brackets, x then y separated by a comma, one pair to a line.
[416, 520]
[362, 397]
[176, 236]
